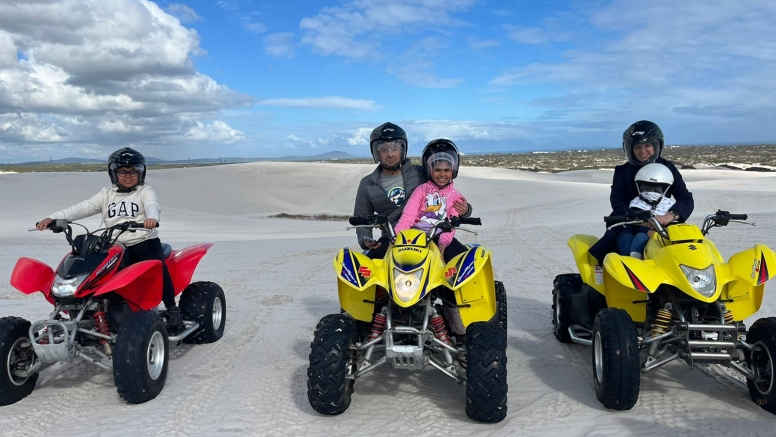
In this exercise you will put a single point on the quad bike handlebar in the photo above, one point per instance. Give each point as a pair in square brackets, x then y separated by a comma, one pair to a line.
[718, 219]
[96, 240]
[381, 221]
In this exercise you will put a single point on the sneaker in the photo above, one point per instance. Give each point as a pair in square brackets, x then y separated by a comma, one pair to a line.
[174, 319]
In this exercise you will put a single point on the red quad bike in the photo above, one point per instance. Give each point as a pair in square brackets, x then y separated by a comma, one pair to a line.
[105, 313]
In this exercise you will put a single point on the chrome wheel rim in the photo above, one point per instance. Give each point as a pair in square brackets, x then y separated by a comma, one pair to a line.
[598, 354]
[14, 356]
[763, 372]
[155, 354]
[218, 313]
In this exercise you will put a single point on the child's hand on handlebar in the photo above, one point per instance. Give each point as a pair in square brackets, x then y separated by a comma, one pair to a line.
[150, 223]
[43, 224]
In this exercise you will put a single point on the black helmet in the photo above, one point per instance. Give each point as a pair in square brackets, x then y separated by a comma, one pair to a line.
[440, 149]
[126, 157]
[642, 132]
[386, 133]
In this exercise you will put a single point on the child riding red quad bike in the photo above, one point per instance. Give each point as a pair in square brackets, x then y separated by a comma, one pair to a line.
[105, 312]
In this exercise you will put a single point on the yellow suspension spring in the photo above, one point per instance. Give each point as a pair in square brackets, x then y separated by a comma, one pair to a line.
[729, 317]
[662, 321]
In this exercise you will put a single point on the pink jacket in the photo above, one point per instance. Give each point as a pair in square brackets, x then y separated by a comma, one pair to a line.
[428, 205]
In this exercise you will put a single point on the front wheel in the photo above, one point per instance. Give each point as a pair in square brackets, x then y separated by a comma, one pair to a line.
[17, 355]
[204, 303]
[328, 388]
[486, 372]
[140, 359]
[762, 336]
[617, 378]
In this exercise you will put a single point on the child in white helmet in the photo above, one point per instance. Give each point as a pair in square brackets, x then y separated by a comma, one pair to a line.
[652, 182]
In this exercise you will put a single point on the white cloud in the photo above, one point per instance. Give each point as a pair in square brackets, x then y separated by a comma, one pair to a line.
[696, 55]
[478, 44]
[280, 45]
[360, 137]
[28, 128]
[103, 72]
[254, 27]
[218, 132]
[183, 13]
[353, 30]
[329, 102]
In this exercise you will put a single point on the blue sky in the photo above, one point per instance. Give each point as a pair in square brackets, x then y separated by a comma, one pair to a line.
[270, 78]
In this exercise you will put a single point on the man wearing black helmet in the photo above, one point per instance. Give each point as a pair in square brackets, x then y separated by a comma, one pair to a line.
[643, 144]
[129, 198]
[385, 190]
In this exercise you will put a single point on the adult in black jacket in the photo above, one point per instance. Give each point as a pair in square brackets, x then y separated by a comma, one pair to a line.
[384, 191]
[643, 143]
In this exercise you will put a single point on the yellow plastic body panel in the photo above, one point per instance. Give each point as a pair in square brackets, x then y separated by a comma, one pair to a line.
[627, 281]
[469, 275]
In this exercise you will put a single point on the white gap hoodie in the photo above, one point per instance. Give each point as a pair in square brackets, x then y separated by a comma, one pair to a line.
[136, 206]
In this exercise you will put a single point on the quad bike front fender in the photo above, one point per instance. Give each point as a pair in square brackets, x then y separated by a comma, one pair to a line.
[749, 270]
[628, 280]
[181, 264]
[30, 275]
[358, 277]
[139, 284]
[470, 276]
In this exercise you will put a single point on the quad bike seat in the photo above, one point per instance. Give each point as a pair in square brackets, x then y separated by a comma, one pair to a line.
[166, 250]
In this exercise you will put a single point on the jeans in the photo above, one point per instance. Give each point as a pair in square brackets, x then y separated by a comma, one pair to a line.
[632, 240]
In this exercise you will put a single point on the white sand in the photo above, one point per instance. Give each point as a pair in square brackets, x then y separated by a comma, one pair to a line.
[279, 282]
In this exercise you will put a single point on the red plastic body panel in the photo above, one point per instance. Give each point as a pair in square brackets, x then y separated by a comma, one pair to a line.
[140, 284]
[30, 275]
[182, 264]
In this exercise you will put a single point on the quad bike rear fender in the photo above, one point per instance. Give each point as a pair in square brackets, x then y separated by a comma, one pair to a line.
[182, 263]
[591, 273]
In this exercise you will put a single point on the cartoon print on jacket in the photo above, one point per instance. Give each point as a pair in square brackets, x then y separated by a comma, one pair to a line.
[436, 210]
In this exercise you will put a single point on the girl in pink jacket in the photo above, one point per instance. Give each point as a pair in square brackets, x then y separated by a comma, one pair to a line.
[433, 201]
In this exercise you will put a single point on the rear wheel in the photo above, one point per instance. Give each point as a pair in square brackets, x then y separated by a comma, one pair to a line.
[762, 336]
[501, 304]
[140, 359]
[486, 372]
[16, 354]
[617, 378]
[204, 303]
[563, 287]
[328, 388]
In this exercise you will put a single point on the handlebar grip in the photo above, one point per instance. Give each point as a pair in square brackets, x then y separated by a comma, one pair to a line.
[738, 216]
[614, 219]
[475, 221]
[359, 221]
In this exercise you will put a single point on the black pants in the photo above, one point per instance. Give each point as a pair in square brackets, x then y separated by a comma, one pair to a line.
[455, 248]
[151, 250]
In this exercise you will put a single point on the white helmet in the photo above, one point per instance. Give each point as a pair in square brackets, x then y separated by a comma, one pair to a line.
[655, 178]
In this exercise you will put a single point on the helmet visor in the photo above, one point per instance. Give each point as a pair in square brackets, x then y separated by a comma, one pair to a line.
[396, 145]
[440, 159]
[652, 187]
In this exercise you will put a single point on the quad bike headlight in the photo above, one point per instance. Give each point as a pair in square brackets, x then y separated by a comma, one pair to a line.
[63, 287]
[702, 280]
[405, 284]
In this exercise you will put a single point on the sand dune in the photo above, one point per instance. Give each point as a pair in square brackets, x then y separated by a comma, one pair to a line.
[278, 281]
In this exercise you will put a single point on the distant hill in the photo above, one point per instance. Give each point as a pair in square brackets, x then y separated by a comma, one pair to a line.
[328, 156]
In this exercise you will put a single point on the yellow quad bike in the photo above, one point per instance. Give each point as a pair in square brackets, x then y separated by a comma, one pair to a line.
[683, 301]
[400, 310]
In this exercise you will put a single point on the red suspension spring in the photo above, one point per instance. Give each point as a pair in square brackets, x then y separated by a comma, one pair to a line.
[101, 324]
[440, 329]
[378, 326]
